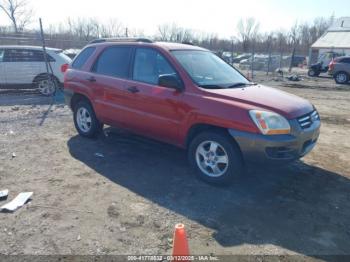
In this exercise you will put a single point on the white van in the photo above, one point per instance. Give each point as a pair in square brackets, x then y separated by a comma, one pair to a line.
[24, 67]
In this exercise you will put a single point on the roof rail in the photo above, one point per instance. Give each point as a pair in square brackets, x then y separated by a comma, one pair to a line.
[121, 39]
[187, 43]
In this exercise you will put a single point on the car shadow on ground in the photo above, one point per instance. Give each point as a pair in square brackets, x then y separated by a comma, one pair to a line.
[28, 97]
[324, 76]
[300, 207]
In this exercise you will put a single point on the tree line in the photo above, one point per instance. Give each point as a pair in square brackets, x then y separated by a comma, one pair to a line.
[76, 32]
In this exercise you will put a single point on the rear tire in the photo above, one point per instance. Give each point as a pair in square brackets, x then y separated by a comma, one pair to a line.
[46, 84]
[85, 120]
[215, 157]
[341, 78]
[313, 73]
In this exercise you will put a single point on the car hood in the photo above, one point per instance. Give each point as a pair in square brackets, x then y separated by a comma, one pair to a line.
[263, 97]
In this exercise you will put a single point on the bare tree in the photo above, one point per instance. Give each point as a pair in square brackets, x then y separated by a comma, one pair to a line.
[76, 32]
[281, 42]
[18, 11]
[247, 31]
[113, 28]
[169, 32]
[163, 32]
[293, 41]
[135, 32]
[304, 35]
[84, 29]
[175, 33]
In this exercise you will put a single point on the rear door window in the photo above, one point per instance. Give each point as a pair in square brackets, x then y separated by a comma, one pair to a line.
[82, 57]
[16, 55]
[114, 61]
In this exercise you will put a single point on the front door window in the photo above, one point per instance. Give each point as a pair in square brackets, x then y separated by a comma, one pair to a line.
[149, 65]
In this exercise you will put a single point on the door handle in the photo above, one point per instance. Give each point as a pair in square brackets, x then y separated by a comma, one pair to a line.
[133, 89]
[91, 79]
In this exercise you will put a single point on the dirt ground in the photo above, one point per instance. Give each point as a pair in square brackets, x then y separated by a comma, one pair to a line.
[128, 201]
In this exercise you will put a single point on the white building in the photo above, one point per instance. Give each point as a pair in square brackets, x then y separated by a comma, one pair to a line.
[336, 39]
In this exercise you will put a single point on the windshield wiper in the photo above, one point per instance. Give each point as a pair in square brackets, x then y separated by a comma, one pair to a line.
[227, 86]
[212, 86]
[242, 84]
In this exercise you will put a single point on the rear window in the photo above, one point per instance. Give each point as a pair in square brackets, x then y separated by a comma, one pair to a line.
[114, 61]
[63, 56]
[82, 57]
[345, 60]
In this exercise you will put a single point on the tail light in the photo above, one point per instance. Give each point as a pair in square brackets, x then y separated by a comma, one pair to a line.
[331, 65]
[64, 68]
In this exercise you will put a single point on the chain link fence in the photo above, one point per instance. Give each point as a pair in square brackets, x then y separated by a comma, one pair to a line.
[266, 62]
[34, 39]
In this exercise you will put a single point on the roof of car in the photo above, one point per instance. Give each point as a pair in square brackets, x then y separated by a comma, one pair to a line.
[341, 57]
[166, 45]
[179, 46]
[29, 47]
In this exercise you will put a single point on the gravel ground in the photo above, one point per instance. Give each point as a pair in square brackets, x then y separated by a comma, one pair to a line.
[128, 201]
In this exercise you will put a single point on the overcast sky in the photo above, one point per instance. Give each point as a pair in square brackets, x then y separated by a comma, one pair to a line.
[220, 16]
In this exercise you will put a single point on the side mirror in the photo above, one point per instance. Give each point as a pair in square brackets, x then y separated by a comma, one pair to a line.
[171, 81]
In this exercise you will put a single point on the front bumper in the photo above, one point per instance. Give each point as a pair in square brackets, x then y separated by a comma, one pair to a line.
[277, 148]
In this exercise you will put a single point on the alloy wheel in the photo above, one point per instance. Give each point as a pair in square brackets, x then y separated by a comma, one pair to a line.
[46, 87]
[212, 159]
[341, 78]
[84, 120]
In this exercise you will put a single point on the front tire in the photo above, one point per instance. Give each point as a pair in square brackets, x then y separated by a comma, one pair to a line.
[215, 157]
[341, 78]
[85, 120]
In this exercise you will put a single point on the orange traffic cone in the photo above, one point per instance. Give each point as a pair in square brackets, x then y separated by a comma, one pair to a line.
[180, 244]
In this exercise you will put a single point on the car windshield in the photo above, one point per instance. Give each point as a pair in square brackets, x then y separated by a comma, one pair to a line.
[209, 71]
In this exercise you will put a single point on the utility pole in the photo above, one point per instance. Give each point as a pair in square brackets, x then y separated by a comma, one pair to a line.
[269, 48]
[44, 47]
[252, 61]
[47, 63]
[292, 59]
[126, 32]
[281, 52]
[232, 52]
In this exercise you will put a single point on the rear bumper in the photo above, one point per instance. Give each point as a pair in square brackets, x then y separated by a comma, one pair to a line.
[68, 94]
[277, 148]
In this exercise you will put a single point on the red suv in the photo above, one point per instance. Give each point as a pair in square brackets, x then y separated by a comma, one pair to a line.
[187, 96]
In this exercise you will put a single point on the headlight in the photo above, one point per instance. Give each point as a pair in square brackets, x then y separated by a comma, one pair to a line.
[270, 123]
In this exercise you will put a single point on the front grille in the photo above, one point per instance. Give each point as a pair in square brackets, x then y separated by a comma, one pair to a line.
[280, 152]
[306, 121]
